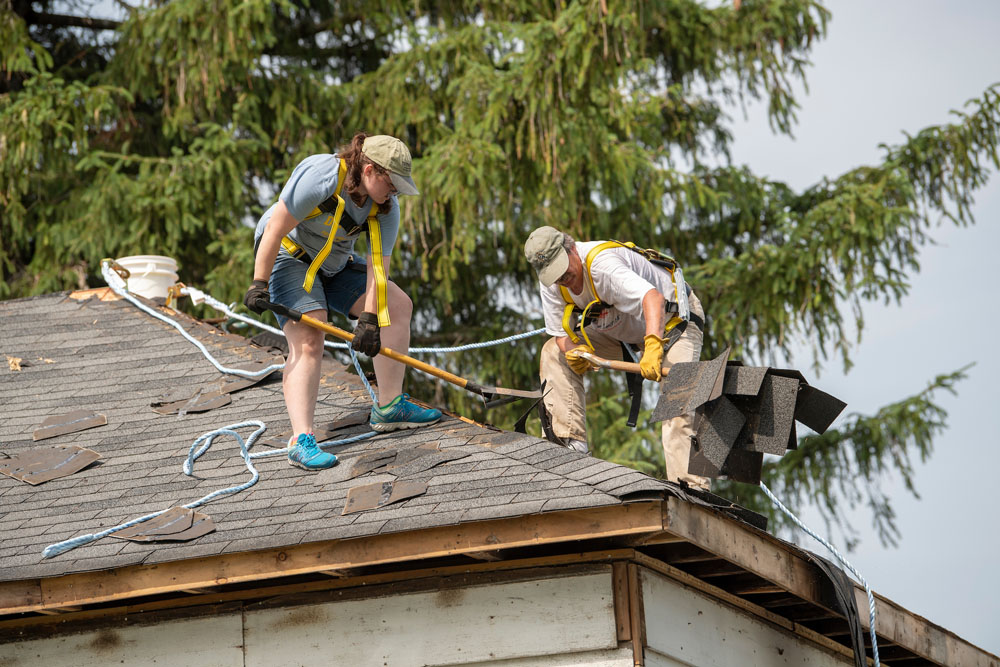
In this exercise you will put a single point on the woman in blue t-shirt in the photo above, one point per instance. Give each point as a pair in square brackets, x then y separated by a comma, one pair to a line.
[305, 261]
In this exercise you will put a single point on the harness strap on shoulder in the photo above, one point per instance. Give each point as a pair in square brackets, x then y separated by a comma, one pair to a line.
[669, 264]
[571, 306]
[334, 206]
[307, 283]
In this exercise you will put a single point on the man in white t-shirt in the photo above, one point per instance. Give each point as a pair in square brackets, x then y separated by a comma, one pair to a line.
[638, 299]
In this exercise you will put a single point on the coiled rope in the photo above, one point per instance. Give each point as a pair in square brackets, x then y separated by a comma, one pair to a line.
[193, 455]
[835, 552]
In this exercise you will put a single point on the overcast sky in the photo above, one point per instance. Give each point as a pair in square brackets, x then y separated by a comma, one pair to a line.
[887, 67]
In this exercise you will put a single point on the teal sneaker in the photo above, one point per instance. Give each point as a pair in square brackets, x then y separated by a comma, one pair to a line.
[307, 455]
[401, 412]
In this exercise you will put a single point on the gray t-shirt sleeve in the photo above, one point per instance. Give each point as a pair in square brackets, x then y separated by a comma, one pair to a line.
[312, 181]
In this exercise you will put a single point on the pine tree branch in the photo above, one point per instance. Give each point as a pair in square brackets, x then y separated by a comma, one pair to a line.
[66, 20]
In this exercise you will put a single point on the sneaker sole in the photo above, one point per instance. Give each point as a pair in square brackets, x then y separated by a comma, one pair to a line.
[305, 467]
[385, 427]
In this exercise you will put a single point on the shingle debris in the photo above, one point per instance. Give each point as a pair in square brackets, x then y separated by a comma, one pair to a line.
[71, 422]
[42, 464]
[116, 359]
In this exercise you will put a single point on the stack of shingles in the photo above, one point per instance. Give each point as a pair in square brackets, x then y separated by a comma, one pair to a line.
[742, 413]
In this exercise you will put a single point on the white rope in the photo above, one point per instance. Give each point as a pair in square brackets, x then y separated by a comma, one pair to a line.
[116, 283]
[198, 297]
[833, 550]
[188, 468]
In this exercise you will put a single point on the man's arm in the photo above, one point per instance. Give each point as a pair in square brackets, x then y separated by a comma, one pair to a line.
[652, 311]
[565, 344]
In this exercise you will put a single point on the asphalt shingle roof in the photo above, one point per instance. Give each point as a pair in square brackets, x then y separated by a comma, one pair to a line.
[110, 357]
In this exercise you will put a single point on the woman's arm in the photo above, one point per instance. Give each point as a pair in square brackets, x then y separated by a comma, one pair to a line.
[280, 223]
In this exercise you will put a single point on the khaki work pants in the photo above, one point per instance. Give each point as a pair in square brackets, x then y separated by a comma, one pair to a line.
[566, 400]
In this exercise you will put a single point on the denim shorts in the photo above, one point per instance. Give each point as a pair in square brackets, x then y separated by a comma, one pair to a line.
[337, 293]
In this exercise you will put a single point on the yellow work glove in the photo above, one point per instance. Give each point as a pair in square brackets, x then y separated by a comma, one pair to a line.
[652, 358]
[578, 364]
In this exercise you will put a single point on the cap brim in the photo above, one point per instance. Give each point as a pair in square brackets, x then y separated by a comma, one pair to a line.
[404, 184]
[555, 269]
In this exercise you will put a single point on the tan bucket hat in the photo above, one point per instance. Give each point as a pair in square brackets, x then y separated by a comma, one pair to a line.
[392, 154]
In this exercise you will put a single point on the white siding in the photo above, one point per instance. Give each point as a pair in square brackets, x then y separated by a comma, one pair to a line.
[486, 623]
[654, 659]
[618, 658]
[202, 642]
[688, 628]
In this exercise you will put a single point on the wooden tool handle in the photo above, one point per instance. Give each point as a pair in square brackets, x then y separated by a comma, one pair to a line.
[384, 351]
[626, 366]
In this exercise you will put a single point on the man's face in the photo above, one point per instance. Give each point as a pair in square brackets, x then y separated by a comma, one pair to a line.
[573, 278]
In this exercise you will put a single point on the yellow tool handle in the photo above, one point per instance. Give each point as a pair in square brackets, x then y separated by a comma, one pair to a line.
[392, 354]
[384, 351]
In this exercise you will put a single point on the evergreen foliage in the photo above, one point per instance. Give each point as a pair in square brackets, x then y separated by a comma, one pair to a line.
[170, 130]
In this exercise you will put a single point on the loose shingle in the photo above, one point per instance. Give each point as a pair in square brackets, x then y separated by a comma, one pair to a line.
[112, 358]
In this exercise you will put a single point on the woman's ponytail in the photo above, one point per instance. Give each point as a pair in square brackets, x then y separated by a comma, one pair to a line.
[356, 161]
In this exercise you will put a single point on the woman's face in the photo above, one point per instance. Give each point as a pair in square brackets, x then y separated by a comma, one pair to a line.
[378, 186]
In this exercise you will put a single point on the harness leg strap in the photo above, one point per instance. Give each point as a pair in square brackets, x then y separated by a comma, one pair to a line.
[634, 383]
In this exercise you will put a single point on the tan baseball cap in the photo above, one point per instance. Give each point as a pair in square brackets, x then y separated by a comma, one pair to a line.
[544, 250]
[392, 154]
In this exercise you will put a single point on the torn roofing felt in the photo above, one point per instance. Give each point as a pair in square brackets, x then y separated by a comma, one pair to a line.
[113, 359]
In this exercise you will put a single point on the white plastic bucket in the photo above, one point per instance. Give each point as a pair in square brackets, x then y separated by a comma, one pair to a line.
[149, 275]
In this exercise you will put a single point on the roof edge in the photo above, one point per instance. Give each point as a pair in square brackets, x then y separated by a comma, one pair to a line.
[786, 565]
[86, 588]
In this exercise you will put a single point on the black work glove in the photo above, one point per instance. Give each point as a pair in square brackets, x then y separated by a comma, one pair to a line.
[257, 297]
[366, 338]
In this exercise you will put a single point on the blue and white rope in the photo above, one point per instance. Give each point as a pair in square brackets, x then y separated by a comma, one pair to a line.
[833, 550]
[120, 288]
[188, 467]
[115, 282]
[476, 346]
[197, 296]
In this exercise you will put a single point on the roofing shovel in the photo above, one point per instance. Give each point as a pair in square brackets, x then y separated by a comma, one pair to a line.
[492, 396]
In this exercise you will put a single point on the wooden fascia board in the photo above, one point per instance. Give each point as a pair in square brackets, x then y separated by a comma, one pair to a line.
[782, 564]
[751, 549]
[141, 580]
[614, 557]
[917, 634]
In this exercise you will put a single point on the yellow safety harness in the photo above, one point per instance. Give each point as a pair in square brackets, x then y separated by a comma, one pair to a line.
[593, 309]
[334, 208]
